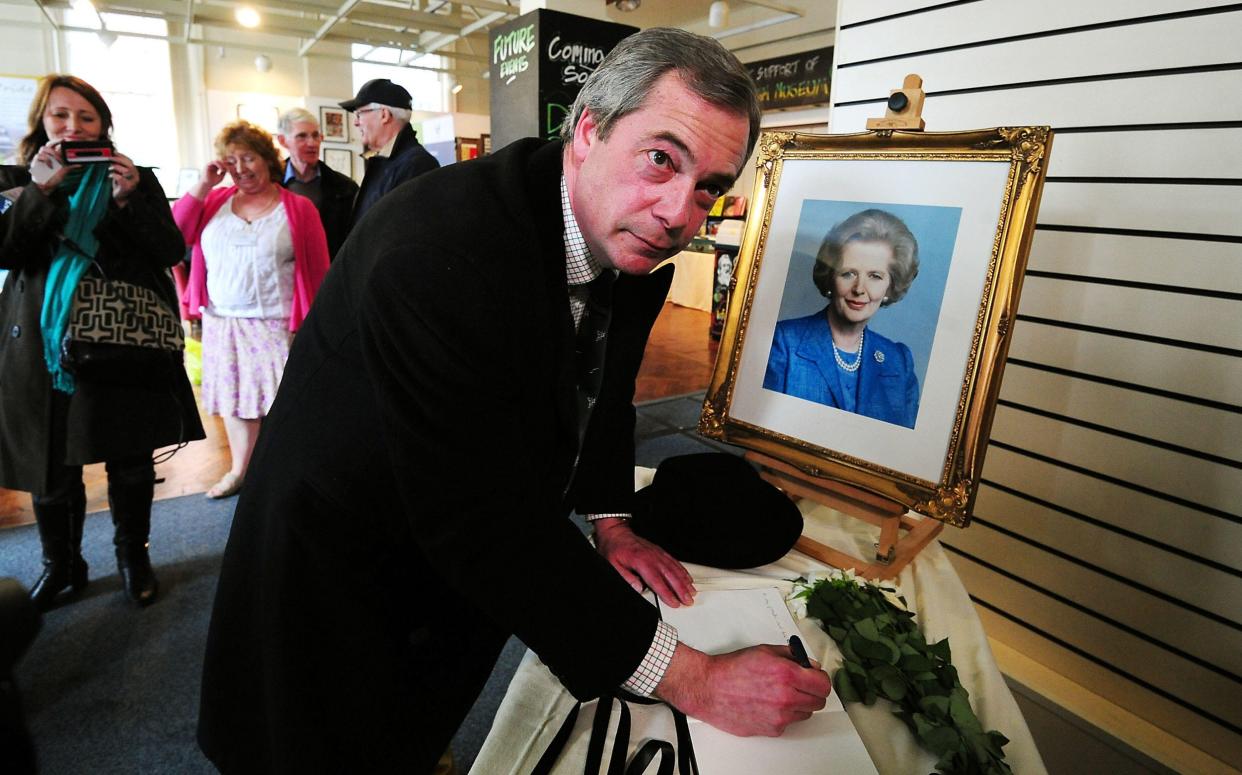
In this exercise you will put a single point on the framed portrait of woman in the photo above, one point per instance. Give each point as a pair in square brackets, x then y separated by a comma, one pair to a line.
[874, 296]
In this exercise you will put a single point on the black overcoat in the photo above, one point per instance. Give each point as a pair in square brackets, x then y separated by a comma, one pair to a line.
[137, 244]
[406, 506]
[409, 159]
[337, 193]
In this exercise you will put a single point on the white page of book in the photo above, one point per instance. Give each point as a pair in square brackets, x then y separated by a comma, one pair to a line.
[724, 620]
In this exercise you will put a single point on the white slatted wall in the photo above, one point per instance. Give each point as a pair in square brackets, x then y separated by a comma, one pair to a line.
[1107, 541]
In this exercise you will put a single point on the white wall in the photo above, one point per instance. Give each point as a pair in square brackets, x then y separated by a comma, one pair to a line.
[1107, 541]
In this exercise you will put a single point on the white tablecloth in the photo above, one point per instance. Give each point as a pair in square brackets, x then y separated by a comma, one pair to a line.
[692, 283]
[536, 704]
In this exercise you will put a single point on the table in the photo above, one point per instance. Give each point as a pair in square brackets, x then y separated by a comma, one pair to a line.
[536, 703]
[693, 281]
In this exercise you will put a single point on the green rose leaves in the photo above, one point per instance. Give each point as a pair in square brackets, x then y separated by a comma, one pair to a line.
[885, 655]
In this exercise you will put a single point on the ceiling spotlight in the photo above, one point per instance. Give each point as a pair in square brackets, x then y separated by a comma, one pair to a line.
[106, 37]
[262, 63]
[247, 16]
[628, 5]
[457, 87]
[718, 14]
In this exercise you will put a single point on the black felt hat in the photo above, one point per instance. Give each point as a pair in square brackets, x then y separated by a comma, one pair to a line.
[381, 91]
[713, 509]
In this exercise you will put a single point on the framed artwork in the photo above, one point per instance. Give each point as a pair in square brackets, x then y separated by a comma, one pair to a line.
[334, 124]
[468, 148]
[340, 159]
[876, 288]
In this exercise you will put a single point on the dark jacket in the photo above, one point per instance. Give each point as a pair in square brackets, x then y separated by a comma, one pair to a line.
[137, 244]
[409, 159]
[801, 364]
[337, 193]
[416, 481]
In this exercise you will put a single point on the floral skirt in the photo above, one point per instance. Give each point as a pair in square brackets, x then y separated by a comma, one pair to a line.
[243, 359]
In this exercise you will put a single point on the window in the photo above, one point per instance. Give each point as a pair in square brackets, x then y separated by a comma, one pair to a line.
[427, 88]
[135, 78]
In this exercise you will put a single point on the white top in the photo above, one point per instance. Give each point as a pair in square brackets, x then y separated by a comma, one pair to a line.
[249, 265]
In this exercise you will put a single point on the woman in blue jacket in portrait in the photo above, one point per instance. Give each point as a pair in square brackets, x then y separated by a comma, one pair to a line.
[866, 262]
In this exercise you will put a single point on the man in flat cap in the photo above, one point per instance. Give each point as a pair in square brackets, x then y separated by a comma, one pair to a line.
[393, 154]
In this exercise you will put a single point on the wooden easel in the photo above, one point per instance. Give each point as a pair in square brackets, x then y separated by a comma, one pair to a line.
[894, 551]
[905, 107]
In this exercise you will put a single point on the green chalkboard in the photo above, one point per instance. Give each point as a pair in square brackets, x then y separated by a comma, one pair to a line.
[793, 81]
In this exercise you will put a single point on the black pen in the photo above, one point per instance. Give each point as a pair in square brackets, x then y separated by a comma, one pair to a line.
[799, 651]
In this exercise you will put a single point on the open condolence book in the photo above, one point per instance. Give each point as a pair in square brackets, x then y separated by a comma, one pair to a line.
[724, 620]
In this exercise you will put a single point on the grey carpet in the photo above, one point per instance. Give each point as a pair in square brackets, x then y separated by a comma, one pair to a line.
[112, 689]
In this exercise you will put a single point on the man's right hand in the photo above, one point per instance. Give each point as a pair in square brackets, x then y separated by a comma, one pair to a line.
[754, 691]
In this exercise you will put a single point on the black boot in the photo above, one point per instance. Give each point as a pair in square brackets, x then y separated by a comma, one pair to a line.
[129, 497]
[77, 521]
[55, 523]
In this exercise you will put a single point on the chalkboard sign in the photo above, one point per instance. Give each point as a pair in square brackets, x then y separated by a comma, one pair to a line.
[539, 62]
[794, 80]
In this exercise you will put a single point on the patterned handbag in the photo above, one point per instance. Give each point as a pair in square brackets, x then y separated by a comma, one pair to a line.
[119, 332]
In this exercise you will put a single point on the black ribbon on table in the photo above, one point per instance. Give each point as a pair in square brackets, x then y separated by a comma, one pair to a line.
[683, 754]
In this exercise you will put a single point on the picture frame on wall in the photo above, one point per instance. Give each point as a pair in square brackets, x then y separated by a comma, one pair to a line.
[877, 283]
[334, 124]
[340, 159]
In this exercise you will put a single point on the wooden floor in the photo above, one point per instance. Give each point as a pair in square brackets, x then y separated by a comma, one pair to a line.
[679, 360]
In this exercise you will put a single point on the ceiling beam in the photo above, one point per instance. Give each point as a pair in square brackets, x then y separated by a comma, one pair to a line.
[776, 6]
[505, 8]
[469, 29]
[341, 12]
[759, 25]
[46, 13]
[405, 20]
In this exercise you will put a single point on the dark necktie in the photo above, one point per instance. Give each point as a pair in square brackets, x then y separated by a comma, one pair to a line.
[590, 344]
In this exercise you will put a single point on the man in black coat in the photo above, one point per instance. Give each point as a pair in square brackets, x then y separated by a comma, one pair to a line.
[393, 154]
[333, 193]
[439, 418]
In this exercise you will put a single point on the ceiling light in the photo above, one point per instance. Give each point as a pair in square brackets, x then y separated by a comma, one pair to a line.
[83, 6]
[247, 16]
[718, 14]
[262, 63]
[628, 5]
[457, 88]
[106, 37]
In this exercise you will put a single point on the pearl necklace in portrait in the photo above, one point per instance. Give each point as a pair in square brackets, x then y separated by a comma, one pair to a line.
[850, 367]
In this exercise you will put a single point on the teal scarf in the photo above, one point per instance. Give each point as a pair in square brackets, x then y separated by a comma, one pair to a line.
[87, 206]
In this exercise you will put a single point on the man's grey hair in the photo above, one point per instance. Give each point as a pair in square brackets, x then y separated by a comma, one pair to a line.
[284, 124]
[621, 83]
[401, 114]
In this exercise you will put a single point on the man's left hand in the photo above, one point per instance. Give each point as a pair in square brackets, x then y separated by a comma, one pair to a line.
[641, 562]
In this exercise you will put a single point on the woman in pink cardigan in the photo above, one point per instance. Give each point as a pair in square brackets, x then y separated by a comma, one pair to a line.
[259, 256]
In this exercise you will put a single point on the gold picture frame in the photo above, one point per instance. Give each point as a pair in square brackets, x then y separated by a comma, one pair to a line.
[969, 201]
